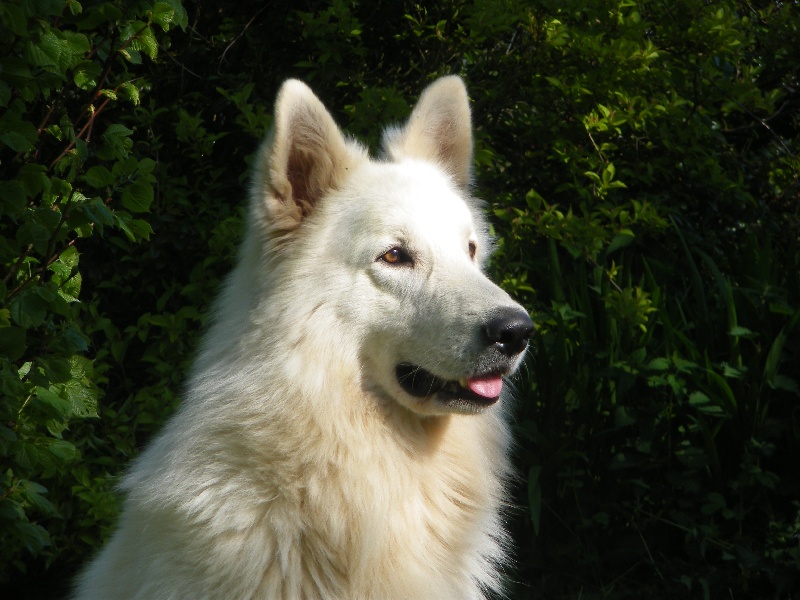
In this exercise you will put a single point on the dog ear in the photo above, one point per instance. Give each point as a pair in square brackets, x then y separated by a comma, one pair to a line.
[305, 157]
[439, 130]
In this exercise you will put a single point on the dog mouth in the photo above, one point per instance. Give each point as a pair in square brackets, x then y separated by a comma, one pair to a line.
[483, 389]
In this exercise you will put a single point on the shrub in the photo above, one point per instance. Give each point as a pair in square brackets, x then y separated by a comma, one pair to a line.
[73, 172]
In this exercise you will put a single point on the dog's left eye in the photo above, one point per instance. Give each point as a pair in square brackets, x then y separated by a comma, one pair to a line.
[472, 249]
[396, 256]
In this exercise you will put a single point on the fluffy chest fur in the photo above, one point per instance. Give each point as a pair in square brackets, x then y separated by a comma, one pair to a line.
[364, 509]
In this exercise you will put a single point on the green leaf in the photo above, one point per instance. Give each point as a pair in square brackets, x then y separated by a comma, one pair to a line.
[163, 15]
[732, 371]
[75, 44]
[98, 213]
[782, 382]
[621, 240]
[71, 288]
[593, 176]
[739, 331]
[35, 179]
[57, 369]
[57, 51]
[32, 536]
[44, 52]
[87, 74]
[63, 450]
[135, 229]
[140, 38]
[137, 196]
[70, 257]
[83, 399]
[28, 309]
[61, 407]
[145, 166]
[33, 493]
[36, 234]
[14, 18]
[118, 141]
[703, 403]
[98, 177]
[17, 134]
[27, 456]
[131, 92]
[131, 55]
[6, 435]
[73, 341]
[117, 130]
[180, 16]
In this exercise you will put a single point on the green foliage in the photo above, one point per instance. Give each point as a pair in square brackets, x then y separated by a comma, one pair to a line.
[70, 174]
[646, 230]
[640, 165]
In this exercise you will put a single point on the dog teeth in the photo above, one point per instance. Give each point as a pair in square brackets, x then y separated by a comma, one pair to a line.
[464, 383]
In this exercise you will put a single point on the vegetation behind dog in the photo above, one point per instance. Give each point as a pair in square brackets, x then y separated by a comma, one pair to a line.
[640, 163]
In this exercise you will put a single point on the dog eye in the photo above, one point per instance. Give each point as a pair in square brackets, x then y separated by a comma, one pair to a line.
[472, 249]
[396, 256]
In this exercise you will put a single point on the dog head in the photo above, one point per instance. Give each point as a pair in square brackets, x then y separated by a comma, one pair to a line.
[389, 253]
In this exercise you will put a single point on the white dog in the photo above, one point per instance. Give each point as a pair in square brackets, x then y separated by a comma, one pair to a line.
[342, 435]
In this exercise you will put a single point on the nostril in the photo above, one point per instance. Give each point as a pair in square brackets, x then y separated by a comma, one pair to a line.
[509, 330]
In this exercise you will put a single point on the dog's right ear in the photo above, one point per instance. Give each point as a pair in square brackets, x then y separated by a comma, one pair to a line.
[304, 158]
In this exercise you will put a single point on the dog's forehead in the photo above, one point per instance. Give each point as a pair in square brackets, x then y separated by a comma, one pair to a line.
[416, 192]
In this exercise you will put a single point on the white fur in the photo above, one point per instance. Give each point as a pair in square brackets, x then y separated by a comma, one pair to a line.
[297, 467]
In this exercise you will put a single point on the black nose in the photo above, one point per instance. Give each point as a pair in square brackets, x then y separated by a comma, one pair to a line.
[509, 329]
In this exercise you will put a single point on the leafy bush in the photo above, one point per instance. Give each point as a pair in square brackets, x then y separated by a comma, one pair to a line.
[71, 173]
[646, 232]
[640, 163]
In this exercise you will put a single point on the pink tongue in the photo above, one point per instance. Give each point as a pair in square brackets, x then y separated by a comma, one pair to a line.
[488, 387]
